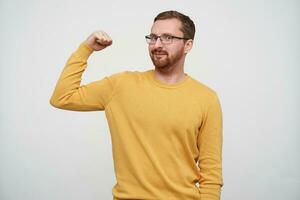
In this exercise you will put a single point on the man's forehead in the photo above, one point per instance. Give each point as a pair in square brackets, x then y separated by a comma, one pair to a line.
[166, 26]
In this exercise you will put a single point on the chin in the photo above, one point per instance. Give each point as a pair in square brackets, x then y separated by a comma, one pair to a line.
[160, 64]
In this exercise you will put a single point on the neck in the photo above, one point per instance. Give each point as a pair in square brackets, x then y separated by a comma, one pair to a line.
[170, 75]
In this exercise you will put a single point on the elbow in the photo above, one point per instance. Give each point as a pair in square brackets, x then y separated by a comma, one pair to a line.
[55, 102]
[61, 103]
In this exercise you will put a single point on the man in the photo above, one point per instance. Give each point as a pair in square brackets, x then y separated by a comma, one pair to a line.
[166, 127]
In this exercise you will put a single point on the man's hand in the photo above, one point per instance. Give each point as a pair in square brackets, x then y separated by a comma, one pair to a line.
[98, 40]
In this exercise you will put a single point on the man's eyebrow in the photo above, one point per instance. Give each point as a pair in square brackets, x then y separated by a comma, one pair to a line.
[161, 34]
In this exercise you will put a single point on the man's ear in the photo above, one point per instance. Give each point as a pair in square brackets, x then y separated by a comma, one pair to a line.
[188, 45]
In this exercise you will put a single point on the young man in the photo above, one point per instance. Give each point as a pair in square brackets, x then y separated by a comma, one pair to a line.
[166, 127]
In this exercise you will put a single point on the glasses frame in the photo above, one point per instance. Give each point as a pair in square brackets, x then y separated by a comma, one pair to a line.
[148, 38]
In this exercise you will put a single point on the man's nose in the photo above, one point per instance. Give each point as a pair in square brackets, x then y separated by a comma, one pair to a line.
[158, 43]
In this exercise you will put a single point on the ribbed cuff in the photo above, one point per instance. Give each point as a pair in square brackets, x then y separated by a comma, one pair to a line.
[210, 193]
[209, 197]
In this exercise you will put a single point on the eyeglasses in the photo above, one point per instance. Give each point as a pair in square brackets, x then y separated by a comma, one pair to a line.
[164, 39]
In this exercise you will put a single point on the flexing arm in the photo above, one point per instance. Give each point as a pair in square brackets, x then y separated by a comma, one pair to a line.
[210, 146]
[68, 93]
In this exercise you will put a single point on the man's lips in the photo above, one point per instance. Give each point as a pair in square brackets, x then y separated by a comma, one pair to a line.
[158, 56]
[159, 53]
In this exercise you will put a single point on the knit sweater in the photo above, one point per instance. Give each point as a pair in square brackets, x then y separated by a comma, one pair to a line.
[166, 138]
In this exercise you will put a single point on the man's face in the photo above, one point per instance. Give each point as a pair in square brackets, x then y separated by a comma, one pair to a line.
[167, 55]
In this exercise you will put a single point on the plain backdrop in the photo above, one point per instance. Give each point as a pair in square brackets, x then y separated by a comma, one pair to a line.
[246, 50]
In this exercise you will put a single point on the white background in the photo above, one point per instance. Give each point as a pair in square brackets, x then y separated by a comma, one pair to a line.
[248, 51]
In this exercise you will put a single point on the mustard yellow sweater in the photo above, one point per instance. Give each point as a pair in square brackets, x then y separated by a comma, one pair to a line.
[166, 138]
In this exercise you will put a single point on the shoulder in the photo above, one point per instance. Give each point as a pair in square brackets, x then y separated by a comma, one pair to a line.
[133, 74]
[127, 73]
[125, 77]
[121, 75]
[202, 89]
[207, 96]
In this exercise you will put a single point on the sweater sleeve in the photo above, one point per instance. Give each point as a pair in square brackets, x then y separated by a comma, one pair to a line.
[69, 95]
[210, 147]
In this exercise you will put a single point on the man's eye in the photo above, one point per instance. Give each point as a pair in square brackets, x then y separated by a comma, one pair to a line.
[167, 37]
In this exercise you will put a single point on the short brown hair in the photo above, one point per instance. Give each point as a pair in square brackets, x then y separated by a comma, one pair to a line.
[188, 26]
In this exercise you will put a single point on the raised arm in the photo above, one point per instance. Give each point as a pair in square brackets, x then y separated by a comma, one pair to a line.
[68, 94]
[210, 147]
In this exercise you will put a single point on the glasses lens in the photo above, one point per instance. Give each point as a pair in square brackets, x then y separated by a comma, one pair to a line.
[148, 39]
[166, 39]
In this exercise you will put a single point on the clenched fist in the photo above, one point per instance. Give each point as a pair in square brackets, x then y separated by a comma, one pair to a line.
[98, 40]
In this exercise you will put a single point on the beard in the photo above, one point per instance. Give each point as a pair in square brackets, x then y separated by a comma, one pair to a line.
[161, 59]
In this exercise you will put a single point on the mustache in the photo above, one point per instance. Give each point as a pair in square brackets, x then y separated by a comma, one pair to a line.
[159, 52]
